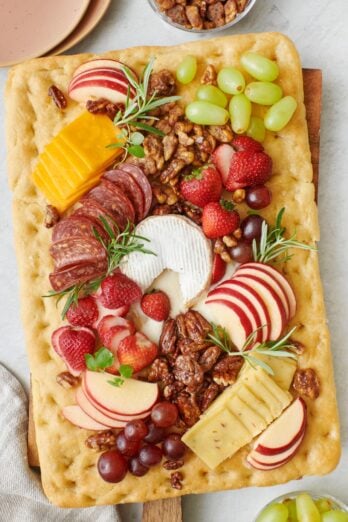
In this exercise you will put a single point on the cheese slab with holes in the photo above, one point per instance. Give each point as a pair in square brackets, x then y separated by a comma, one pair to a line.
[68, 470]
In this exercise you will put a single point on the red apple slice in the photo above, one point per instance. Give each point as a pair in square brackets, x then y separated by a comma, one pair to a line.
[111, 324]
[95, 414]
[258, 303]
[78, 417]
[101, 63]
[271, 280]
[96, 88]
[272, 301]
[281, 280]
[101, 73]
[233, 295]
[269, 462]
[132, 398]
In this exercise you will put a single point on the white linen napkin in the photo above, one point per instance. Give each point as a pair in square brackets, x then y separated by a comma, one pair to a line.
[21, 495]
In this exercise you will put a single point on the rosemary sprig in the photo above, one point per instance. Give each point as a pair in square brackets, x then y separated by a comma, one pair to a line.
[273, 244]
[277, 348]
[136, 109]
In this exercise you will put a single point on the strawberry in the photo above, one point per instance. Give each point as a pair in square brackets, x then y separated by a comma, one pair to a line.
[83, 313]
[202, 186]
[137, 351]
[218, 270]
[118, 290]
[156, 305]
[246, 143]
[72, 344]
[219, 219]
[222, 157]
[249, 169]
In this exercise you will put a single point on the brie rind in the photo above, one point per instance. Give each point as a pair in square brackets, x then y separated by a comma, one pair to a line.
[178, 245]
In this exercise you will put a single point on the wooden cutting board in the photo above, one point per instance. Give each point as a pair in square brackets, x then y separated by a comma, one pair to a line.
[169, 510]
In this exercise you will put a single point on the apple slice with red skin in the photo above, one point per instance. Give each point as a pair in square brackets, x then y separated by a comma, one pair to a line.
[78, 417]
[99, 87]
[272, 301]
[101, 63]
[95, 414]
[218, 270]
[255, 299]
[281, 280]
[271, 280]
[132, 398]
[233, 295]
[111, 324]
[273, 461]
[101, 73]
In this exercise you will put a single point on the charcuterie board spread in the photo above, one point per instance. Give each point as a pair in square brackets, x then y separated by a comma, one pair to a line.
[166, 227]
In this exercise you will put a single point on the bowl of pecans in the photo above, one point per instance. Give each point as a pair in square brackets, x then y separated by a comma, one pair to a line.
[200, 16]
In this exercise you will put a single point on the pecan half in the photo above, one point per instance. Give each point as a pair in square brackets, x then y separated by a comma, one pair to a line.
[178, 15]
[216, 14]
[159, 370]
[101, 441]
[188, 371]
[188, 408]
[171, 391]
[209, 394]
[231, 10]
[167, 342]
[208, 358]
[103, 107]
[306, 383]
[197, 326]
[226, 371]
[176, 479]
[51, 216]
[173, 464]
[57, 97]
[67, 380]
[194, 16]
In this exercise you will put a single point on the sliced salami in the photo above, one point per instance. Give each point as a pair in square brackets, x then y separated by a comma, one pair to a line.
[114, 202]
[130, 187]
[77, 226]
[94, 211]
[142, 181]
[64, 279]
[77, 250]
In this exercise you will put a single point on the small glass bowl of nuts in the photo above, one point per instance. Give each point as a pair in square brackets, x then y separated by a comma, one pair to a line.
[202, 16]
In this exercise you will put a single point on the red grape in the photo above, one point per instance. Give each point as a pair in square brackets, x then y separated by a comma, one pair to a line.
[112, 466]
[164, 414]
[242, 253]
[128, 448]
[155, 435]
[137, 468]
[252, 227]
[135, 430]
[173, 447]
[150, 455]
[258, 197]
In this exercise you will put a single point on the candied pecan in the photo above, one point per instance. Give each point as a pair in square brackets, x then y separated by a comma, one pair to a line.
[153, 148]
[209, 76]
[221, 249]
[158, 370]
[173, 464]
[171, 391]
[101, 441]
[209, 395]
[173, 169]
[306, 383]
[222, 133]
[197, 326]
[178, 15]
[51, 216]
[67, 380]
[202, 6]
[188, 371]
[170, 142]
[208, 25]
[241, 4]
[229, 241]
[227, 369]
[57, 97]
[188, 347]
[238, 195]
[231, 10]
[181, 325]
[194, 16]
[167, 342]
[216, 13]
[166, 4]
[176, 479]
[162, 83]
[188, 408]
[209, 357]
[103, 107]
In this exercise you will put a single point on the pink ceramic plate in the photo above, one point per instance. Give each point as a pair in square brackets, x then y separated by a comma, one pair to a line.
[30, 28]
[95, 12]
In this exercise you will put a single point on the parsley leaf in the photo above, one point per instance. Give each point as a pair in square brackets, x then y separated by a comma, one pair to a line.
[102, 359]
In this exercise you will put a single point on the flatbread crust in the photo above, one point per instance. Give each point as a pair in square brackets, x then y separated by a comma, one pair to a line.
[69, 474]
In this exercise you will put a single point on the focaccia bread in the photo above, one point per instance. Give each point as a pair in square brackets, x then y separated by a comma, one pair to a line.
[69, 474]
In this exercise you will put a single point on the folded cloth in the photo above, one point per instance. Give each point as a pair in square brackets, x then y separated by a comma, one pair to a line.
[21, 495]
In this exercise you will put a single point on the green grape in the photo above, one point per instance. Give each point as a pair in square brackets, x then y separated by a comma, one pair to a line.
[240, 111]
[256, 129]
[307, 511]
[334, 516]
[211, 94]
[278, 116]
[231, 80]
[273, 513]
[263, 93]
[205, 113]
[323, 504]
[260, 67]
[186, 70]
[291, 505]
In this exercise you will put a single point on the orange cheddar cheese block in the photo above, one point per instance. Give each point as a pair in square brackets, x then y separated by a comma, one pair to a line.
[75, 159]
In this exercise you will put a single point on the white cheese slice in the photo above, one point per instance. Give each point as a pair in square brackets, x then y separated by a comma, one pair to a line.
[179, 245]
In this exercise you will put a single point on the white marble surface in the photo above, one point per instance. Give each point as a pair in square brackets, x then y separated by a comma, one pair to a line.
[319, 29]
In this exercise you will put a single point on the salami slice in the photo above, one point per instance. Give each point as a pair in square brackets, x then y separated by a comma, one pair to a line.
[77, 226]
[130, 187]
[77, 250]
[114, 202]
[143, 183]
[77, 274]
[94, 211]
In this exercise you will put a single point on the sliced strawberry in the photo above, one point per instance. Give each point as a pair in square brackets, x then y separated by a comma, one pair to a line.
[246, 143]
[222, 157]
[156, 305]
[118, 290]
[111, 325]
[83, 313]
[218, 270]
[72, 344]
[103, 312]
[137, 351]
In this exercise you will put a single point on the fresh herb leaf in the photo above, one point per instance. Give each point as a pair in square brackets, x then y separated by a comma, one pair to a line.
[116, 381]
[148, 128]
[126, 371]
[136, 150]
[136, 138]
[100, 360]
